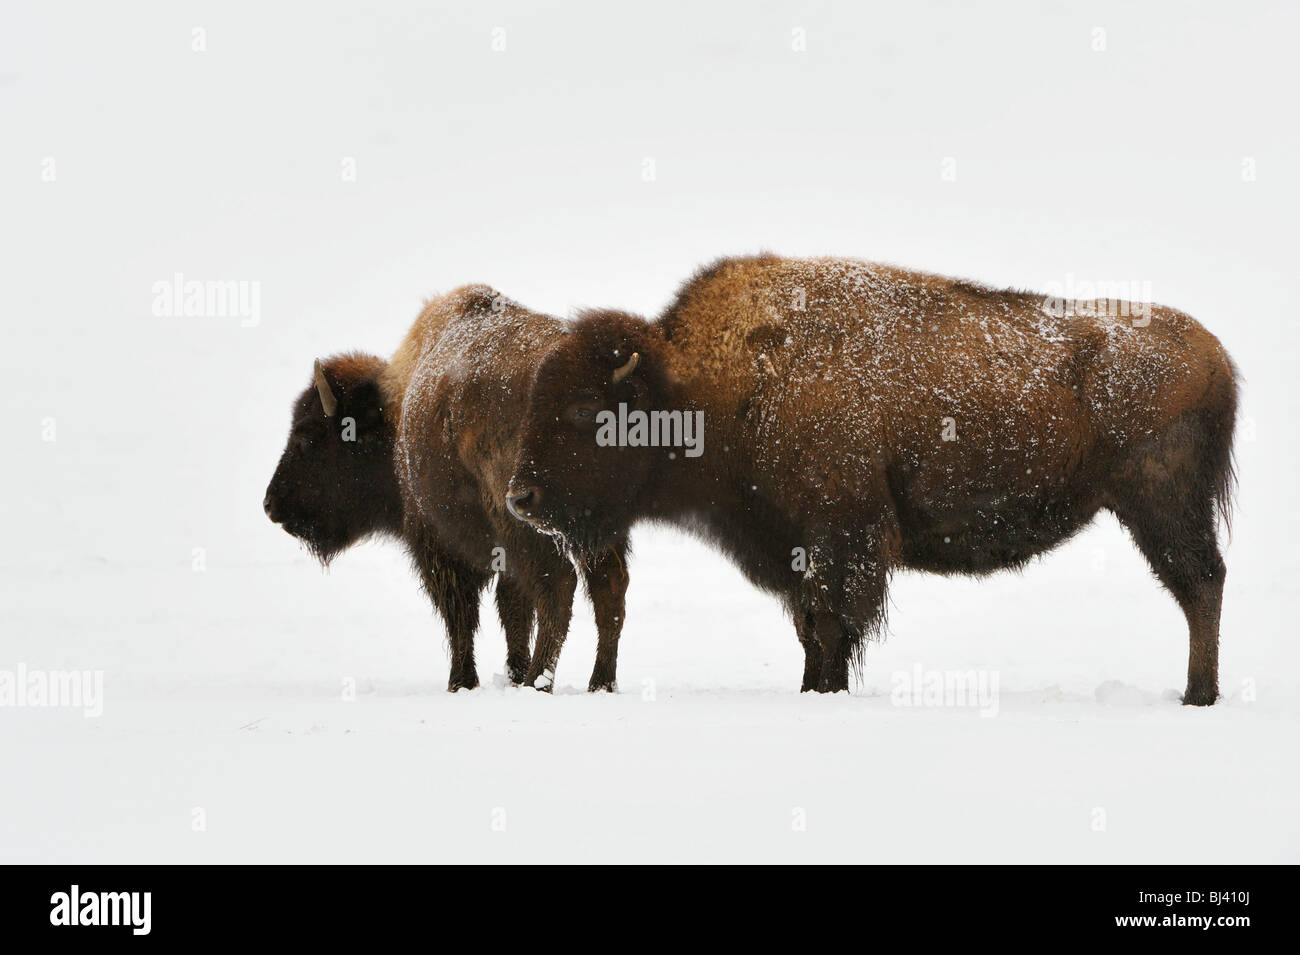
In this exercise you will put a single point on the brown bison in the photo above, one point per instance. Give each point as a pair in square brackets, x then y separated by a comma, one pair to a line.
[860, 418]
[421, 448]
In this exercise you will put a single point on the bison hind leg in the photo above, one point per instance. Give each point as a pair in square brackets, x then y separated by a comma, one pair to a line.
[1170, 495]
[1186, 560]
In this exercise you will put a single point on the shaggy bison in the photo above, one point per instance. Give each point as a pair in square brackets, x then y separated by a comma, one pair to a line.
[421, 448]
[860, 418]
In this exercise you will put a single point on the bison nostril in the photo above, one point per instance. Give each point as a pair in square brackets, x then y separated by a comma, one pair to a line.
[266, 506]
[518, 502]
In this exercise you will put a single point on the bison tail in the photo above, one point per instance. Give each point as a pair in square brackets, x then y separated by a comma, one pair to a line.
[1220, 455]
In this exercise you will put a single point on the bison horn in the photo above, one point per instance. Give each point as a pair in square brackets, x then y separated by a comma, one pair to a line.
[627, 369]
[327, 399]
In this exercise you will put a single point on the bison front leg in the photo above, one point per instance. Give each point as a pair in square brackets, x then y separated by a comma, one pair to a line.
[836, 650]
[844, 595]
[454, 590]
[554, 609]
[806, 628]
[606, 581]
[515, 611]
[459, 608]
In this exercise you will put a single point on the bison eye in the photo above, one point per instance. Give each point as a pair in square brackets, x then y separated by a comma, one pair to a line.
[582, 413]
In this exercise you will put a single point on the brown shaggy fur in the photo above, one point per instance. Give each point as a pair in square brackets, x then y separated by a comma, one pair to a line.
[436, 434]
[871, 418]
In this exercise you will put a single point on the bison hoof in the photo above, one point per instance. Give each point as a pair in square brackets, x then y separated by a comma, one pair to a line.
[542, 682]
[518, 674]
[462, 682]
[1199, 697]
[602, 686]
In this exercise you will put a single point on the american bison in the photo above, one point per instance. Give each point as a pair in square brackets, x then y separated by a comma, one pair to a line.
[861, 418]
[421, 448]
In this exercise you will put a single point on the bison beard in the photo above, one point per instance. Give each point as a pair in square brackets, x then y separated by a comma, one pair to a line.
[863, 418]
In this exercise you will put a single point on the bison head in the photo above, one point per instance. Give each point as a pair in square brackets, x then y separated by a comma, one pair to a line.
[336, 482]
[570, 480]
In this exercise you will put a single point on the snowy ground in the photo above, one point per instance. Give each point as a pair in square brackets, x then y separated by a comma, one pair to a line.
[139, 445]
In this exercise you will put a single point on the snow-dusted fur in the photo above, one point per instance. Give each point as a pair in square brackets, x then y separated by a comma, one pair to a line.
[861, 417]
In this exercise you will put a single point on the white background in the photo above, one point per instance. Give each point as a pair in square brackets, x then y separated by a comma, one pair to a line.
[524, 168]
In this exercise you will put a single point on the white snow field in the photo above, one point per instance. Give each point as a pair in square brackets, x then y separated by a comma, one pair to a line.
[347, 164]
